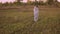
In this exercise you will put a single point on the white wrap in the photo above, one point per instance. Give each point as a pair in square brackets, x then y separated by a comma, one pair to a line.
[36, 13]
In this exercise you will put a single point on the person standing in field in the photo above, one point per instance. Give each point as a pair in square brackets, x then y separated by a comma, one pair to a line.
[36, 13]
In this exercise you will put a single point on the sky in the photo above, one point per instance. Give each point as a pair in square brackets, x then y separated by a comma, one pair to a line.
[3, 1]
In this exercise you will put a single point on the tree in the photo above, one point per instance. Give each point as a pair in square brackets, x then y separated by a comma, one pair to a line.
[50, 2]
[18, 2]
[56, 3]
[36, 2]
[53, 3]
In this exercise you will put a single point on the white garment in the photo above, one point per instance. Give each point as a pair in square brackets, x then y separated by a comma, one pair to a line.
[36, 13]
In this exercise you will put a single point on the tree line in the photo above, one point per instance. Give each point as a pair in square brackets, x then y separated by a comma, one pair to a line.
[18, 3]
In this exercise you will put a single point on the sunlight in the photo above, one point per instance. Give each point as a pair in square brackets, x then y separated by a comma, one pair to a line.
[58, 0]
[4, 1]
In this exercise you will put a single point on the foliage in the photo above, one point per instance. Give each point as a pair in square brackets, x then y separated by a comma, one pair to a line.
[50, 2]
[18, 3]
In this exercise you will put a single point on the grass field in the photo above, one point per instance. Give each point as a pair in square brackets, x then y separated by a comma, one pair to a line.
[20, 21]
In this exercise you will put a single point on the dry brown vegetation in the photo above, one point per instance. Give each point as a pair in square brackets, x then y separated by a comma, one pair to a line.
[20, 21]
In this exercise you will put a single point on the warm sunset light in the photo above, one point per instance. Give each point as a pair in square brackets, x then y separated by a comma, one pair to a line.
[4, 1]
[58, 0]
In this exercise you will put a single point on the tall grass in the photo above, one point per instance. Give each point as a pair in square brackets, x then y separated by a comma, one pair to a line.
[16, 21]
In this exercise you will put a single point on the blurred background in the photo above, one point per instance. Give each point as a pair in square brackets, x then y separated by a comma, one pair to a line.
[17, 17]
[55, 3]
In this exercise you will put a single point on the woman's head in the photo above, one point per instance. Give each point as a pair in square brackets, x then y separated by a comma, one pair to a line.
[36, 5]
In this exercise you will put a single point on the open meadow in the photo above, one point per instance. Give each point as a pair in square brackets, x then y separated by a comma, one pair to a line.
[20, 21]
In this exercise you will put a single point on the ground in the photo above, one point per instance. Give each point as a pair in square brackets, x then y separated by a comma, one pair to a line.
[20, 21]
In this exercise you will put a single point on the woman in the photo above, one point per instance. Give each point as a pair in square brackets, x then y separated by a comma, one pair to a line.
[36, 13]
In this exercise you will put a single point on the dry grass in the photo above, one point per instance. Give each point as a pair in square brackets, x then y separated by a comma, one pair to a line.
[20, 21]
